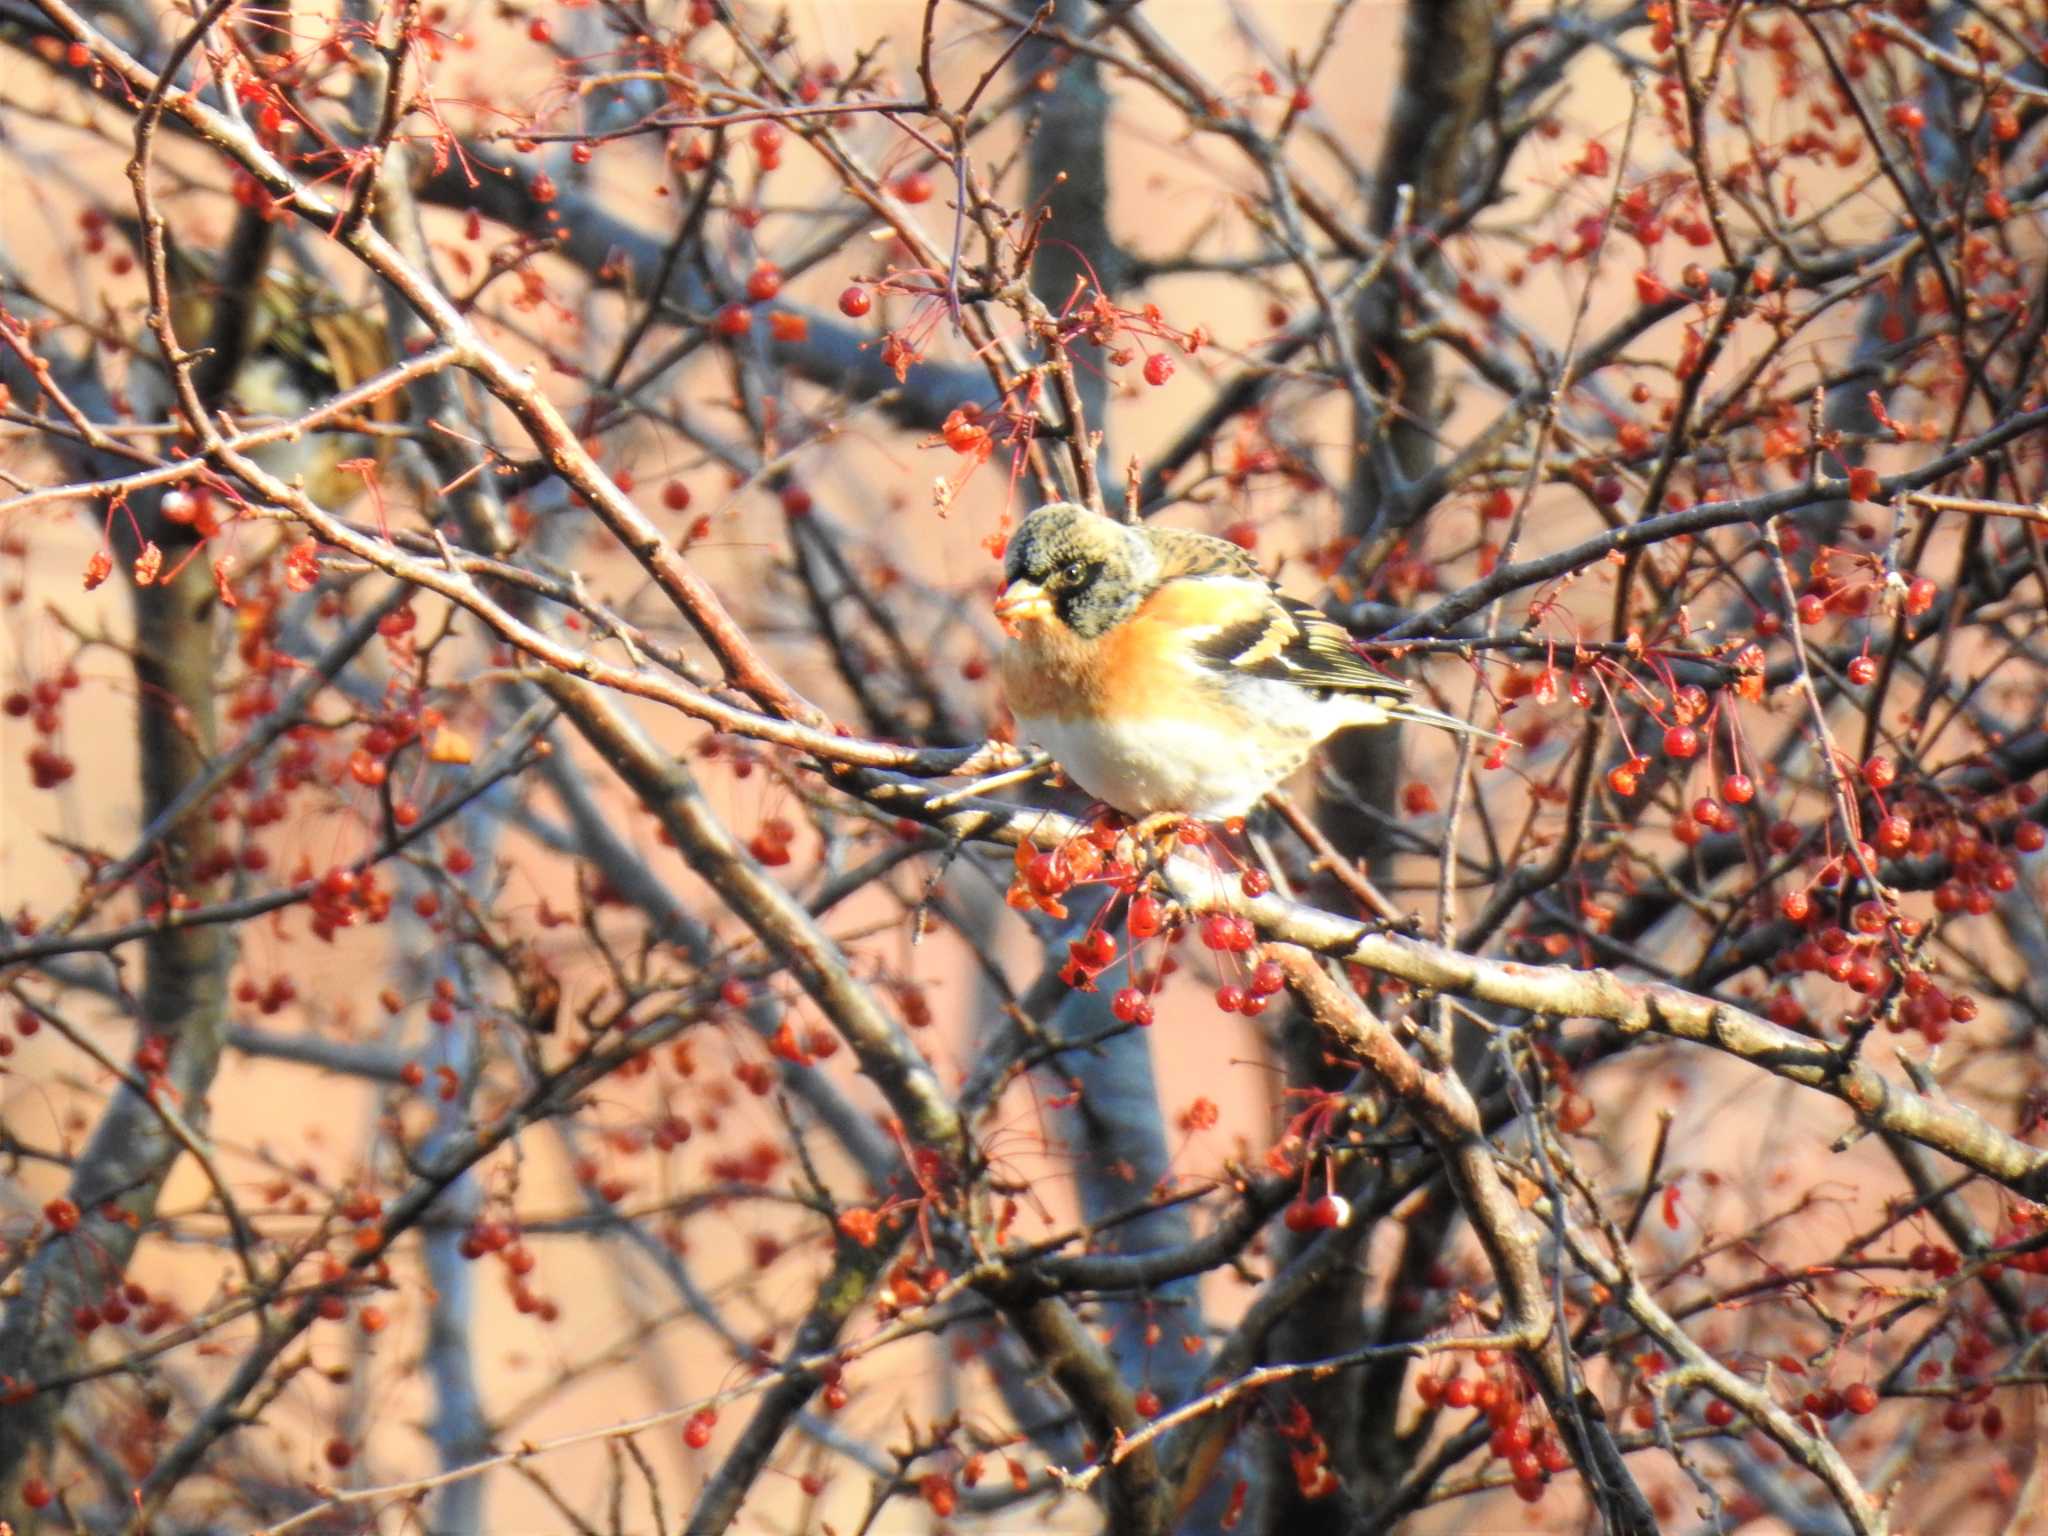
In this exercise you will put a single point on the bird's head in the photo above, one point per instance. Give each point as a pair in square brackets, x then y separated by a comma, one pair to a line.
[1068, 565]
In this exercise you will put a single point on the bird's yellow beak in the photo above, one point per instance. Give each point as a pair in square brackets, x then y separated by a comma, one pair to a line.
[1020, 602]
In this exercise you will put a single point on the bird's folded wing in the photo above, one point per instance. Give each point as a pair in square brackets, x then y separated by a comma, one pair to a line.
[1254, 631]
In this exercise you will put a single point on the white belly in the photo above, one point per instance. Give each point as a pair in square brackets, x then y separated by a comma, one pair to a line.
[1147, 765]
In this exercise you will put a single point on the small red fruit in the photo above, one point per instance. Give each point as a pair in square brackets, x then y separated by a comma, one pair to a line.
[855, 302]
[1144, 917]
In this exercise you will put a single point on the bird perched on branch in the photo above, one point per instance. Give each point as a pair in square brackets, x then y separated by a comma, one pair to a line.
[1166, 674]
[302, 343]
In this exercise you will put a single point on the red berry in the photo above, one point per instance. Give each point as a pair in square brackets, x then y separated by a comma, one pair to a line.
[1719, 1414]
[1158, 369]
[914, 188]
[1143, 920]
[1860, 1398]
[733, 320]
[855, 302]
[1095, 950]
[1681, 741]
[764, 282]
[697, 1432]
[1737, 789]
[1863, 671]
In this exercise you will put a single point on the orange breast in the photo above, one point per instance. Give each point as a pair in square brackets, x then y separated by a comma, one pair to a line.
[1132, 671]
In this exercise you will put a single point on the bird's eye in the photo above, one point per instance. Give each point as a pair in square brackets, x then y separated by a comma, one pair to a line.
[1073, 573]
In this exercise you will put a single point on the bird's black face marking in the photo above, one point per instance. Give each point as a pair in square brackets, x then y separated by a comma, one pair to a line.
[1087, 565]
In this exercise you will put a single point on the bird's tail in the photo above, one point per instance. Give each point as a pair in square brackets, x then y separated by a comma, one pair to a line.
[1422, 714]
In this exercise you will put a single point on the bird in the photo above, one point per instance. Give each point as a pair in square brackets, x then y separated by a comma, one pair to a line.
[1166, 675]
[305, 343]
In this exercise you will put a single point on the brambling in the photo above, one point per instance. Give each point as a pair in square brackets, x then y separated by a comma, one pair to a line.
[306, 343]
[1166, 675]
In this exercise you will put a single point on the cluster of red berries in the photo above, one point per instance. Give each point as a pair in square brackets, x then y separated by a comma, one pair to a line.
[488, 1235]
[1532, 1452]
[40, 704]
[1042, 878]
[771, 844]
[127, 1303]
[344, 898]
[1307, 1452]
[1321, 1214]
[274, 996]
